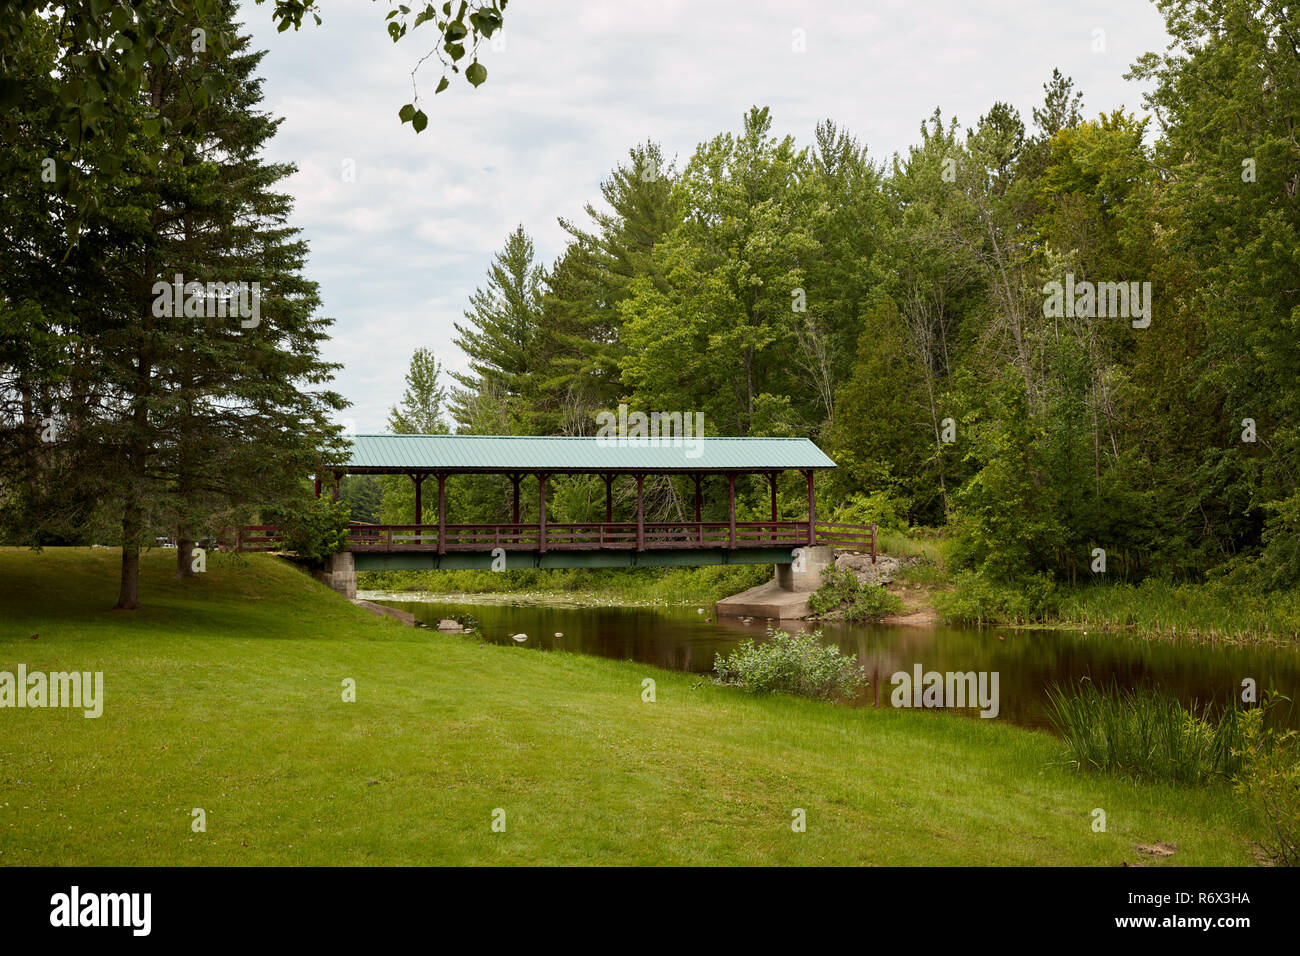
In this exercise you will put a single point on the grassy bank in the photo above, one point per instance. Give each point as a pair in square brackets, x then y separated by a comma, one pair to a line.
[225, 694]
[1213, 611]
[623, 586]
[1153, 608]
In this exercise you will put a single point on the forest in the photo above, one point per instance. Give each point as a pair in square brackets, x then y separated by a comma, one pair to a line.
[1066, 343]
[1069, 343]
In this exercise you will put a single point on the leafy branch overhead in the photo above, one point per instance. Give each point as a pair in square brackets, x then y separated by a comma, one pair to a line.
[107, 49]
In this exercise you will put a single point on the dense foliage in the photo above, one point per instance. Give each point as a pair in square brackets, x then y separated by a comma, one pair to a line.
[159, 347]
[911, 316]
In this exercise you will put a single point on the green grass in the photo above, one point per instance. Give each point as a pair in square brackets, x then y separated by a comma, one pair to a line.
[225, 693]
[1216, 610]
[624, 586]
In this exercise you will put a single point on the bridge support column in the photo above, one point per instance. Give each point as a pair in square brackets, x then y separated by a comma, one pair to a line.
[609, 499]
[339, 574]
[514, 481]
[815, 560]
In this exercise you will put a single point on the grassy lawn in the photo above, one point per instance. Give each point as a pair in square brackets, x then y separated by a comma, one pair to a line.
[225, 693]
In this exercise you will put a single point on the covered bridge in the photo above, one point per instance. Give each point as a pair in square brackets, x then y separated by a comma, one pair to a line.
[432, 459]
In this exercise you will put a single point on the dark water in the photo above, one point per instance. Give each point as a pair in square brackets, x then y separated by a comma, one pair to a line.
[1027, 662]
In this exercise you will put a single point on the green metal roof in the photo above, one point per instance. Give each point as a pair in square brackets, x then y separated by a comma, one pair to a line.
[510, 453]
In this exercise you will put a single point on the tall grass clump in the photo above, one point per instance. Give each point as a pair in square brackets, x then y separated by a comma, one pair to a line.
[844, 596]
[785, 664]
[1146, 735]
[1269, 783]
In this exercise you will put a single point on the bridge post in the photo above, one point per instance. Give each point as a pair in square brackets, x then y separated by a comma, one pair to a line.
[318, 484]
[699, 527]
[514, 480]
[609, 499]
[640, 514]
[442, 514]
[771, 479]
[419, 506]
[731, 506]
[541, 513]
[812, 510]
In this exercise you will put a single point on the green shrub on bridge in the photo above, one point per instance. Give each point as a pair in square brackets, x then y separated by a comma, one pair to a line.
[313, 530]
[786, 664]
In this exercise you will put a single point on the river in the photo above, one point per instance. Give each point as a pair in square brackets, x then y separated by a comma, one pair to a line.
[1027, 662]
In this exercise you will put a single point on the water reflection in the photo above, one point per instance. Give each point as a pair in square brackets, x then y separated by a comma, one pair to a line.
[1028, 661]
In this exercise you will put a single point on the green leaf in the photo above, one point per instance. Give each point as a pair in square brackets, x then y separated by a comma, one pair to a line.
[454, 50]
[419, 121]
[442, 85]
[406, 112]
[455, 31]
[476, 73]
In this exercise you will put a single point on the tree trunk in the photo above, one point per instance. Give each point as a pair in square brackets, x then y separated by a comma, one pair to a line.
[184, 555]
[128, 598]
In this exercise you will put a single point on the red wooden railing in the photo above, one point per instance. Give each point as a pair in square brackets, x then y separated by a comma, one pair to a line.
[582, 537]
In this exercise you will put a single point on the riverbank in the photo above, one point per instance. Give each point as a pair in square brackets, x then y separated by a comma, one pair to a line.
[226, 694]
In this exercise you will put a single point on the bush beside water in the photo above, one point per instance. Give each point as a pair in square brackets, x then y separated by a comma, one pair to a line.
[792, 664]
[843, 595]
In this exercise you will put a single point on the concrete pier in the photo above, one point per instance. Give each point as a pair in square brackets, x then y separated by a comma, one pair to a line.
[340, 574]
[786, 596]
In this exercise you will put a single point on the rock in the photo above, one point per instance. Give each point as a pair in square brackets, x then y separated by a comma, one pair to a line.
[882, 572]
[452, 627]
[518, 638]
[1158, 849]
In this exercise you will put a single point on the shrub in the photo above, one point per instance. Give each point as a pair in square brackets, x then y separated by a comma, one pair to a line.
[975, 599]
[313, 530]
[786, 664]
[1145, 735]
[842, 593]
[877, 508]
[1269, 783]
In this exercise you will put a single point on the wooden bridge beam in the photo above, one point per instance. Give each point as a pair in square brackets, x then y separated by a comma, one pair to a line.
[609, 498]
[541, 513]
[514, 480]
[812, 509]
[731, 507]
[640, 514]
[442, 513]
[418, 479]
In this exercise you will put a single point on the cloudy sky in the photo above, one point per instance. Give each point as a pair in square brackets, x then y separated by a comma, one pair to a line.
[399, 249]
